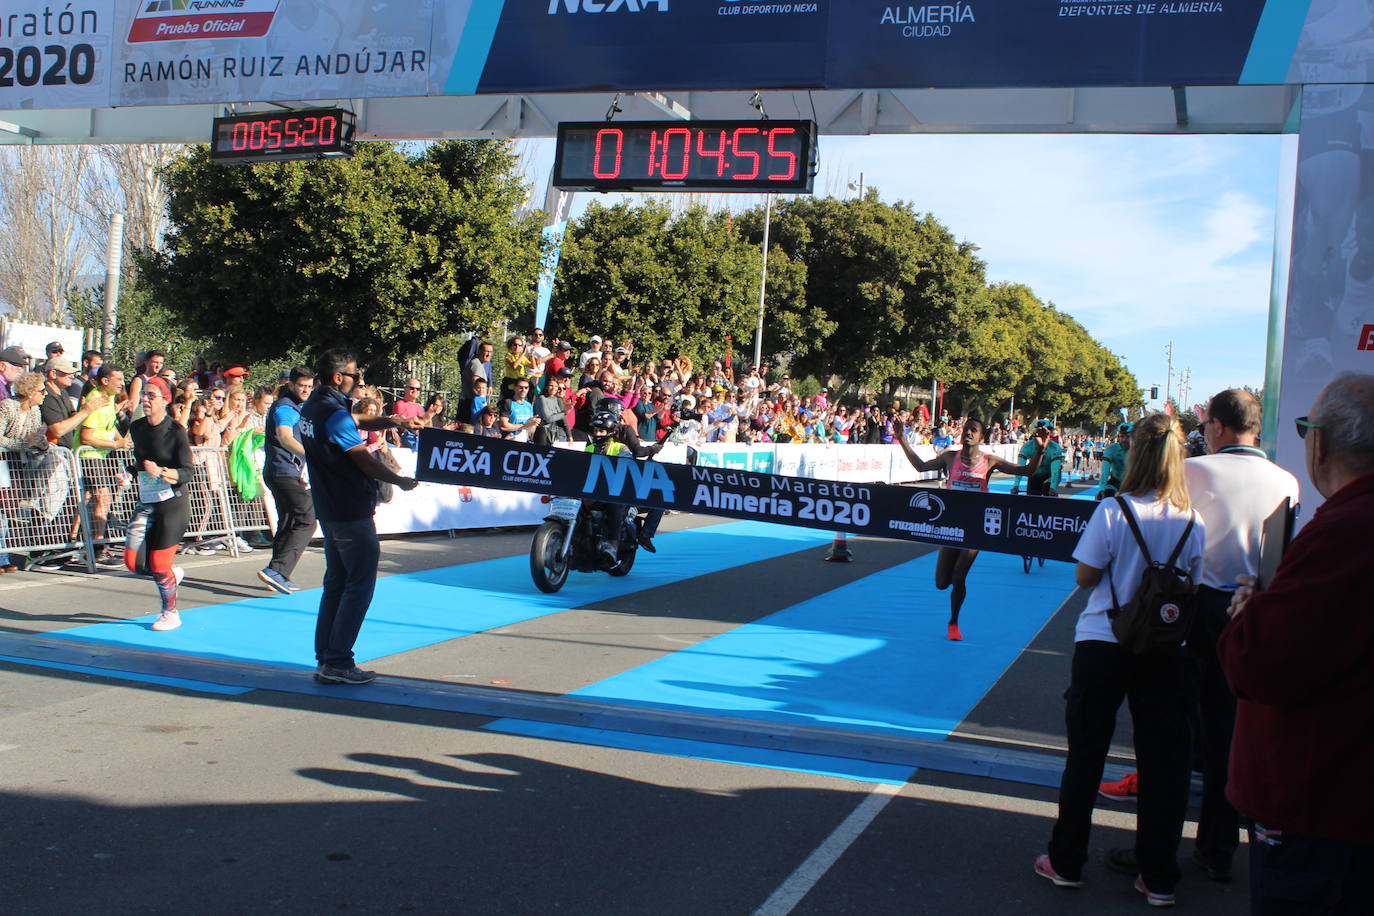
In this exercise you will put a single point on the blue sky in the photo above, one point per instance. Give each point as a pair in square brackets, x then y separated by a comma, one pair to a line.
[1143, 239]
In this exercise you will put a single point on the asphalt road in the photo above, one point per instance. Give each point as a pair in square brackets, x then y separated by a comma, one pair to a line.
[118, 796]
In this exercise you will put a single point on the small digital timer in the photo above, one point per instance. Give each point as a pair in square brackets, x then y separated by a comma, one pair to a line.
[742, 156]
[277, 136]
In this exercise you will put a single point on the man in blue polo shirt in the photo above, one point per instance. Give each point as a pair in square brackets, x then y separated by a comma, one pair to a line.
[282, 474]
[343, 483]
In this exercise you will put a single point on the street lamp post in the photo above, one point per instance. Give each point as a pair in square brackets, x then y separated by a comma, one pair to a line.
[763, 279]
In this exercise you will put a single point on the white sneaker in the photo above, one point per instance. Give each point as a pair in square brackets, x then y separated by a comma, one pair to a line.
[167, 620]
[244, 546]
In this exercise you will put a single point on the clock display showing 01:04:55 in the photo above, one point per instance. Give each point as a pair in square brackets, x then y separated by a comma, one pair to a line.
[747, 155]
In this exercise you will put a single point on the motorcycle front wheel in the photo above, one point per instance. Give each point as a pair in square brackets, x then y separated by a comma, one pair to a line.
[547, 570]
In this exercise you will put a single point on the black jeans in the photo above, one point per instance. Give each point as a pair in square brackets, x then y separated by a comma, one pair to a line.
[351, 552]
[1293, 875]
[1155, 687]
[1218, 826]
[295, 522]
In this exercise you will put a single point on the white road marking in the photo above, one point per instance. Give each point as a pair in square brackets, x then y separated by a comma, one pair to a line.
[800, 882]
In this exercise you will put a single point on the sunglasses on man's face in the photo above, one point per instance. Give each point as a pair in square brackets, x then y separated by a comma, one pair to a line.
[1303, 424]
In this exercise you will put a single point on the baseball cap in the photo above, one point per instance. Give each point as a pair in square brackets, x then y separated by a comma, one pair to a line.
[563, 345]
[565, 372]
[54, 347]
[160, 384]
[596, 338]
[1126, 428]
[61, 364]
[15, 356]
[621, 350]
[234, 371]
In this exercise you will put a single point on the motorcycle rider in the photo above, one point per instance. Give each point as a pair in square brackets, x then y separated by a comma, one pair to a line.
[611, 435]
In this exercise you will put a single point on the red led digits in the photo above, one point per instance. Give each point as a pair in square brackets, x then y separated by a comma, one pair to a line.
[669, 156]
[736, 156]
[597, 169]
[749, 154]
[718, 153]
[289, 135]
[791, 158]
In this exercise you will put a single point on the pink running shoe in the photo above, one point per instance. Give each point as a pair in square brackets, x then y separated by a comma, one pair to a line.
[1045, 869]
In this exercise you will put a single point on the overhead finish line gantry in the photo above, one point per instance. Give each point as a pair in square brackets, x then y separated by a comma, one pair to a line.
[109, 71]
[159, 70]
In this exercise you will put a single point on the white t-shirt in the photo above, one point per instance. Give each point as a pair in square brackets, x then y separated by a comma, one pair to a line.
[1107, 543]
[1235, 492]
[590, 354]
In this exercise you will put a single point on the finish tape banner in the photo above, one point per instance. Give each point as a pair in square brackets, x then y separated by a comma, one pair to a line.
[1028, 525]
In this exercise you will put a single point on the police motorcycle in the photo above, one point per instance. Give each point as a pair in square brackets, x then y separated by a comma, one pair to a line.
[573, 534]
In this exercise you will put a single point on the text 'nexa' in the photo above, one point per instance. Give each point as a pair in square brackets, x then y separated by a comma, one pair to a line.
[644, 475]
[605, 6]
[453, 457]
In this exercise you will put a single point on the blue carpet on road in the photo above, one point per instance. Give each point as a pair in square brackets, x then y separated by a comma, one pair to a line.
[872, 655]
[413, 610]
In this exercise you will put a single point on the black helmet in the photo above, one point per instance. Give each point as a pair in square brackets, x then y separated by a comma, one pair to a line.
[606, 419]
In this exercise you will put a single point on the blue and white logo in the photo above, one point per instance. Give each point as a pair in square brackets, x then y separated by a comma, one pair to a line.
[928, 506]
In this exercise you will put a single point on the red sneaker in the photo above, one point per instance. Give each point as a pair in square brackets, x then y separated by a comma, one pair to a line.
[954, 633]
[1125, 789]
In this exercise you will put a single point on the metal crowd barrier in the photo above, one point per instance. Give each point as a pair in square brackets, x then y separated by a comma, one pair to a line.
[67, 505]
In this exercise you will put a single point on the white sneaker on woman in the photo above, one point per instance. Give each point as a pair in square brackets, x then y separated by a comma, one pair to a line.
[167, 620]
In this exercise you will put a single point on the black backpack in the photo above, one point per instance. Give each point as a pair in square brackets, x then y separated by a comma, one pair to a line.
[1161, 613]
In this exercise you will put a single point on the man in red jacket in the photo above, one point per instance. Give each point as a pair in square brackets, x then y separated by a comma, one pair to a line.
[1297, 656]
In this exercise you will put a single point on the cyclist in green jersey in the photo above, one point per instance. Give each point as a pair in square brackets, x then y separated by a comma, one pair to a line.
[1046, 479]
[1114, 462]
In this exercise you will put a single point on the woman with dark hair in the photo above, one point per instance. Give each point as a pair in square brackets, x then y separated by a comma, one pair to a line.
[436, 411]
[966, 468]
[1110, 563]
[162, 464]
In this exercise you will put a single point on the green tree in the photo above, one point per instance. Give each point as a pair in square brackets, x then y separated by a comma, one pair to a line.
[384, 252]
[670, 285]
[899, 288]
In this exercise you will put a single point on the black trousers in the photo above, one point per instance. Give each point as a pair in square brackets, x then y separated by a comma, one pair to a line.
[1218, 826]
[1155, 687]
[1292, 875]
[295, 522]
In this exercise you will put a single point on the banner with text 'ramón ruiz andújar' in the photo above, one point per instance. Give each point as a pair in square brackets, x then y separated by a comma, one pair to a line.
[1029, 525]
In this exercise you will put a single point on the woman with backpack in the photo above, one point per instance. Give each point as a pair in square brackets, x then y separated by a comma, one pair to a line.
[1129, 645]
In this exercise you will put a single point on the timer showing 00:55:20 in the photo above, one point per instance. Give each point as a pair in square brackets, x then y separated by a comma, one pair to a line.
[313, 133]
[745, 156]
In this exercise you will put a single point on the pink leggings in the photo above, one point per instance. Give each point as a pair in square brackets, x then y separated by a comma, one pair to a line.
[148, 529]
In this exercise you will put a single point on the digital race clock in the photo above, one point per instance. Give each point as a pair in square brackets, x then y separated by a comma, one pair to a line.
[280, 135]
[746, 156]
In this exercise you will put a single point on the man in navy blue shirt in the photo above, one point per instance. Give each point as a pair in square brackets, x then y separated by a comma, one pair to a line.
[343, 483]
[282, 473]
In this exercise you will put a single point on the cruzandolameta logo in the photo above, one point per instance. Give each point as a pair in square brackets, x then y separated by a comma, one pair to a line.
[188, 20]
[928, 20]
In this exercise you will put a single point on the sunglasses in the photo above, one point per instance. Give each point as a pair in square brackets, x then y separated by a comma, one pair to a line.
[412, 388]
[1303, 425]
